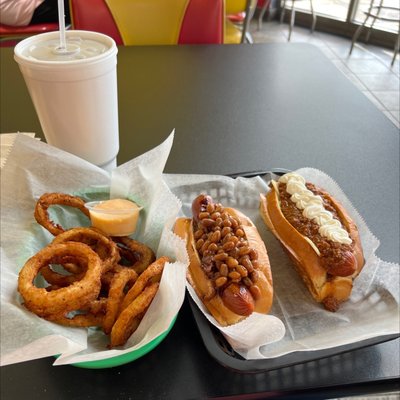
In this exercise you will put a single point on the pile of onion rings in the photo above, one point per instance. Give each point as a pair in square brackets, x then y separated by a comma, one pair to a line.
[85, 278]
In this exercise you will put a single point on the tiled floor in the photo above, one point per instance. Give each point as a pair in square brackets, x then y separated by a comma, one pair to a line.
[368, 67]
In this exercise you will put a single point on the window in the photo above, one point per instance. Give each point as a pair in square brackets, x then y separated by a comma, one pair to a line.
[344, 16]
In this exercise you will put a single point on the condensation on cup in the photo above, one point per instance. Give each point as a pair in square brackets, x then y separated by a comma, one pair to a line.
[74, 93]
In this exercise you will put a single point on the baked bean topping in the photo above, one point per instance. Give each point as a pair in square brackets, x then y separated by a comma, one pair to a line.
[225, 231]
[224, 251]
[213, 247]
[198, 234]
[228, 246]
[210, 208]
[223, 269]
[255, 291]
[203, 215]
[221, 256]
[221, 281]
[215, 237]
[199, 243]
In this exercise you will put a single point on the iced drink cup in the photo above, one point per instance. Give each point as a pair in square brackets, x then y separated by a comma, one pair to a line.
[74, 94]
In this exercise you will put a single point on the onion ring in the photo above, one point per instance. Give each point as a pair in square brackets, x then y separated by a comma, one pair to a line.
[93, 280]
[107, 277]
[100, 243]
[127, 322]
[140, 255]
[84, 320]
[116, 294]
[151, 273]
[137, 260]
[66, 299]
[92, 315]
[73, 268]
[60, 279]
[50, 199]
[97, 306]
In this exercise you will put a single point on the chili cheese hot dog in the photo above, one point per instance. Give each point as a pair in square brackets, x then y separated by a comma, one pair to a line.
[229, 266]
[318, 234]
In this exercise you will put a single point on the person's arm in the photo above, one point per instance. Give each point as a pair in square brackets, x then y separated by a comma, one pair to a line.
[17, 12]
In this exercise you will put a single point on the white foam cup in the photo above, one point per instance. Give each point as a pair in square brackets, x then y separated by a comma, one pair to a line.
[75, 95]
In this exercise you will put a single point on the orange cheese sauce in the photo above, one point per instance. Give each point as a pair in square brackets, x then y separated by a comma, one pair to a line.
[115, 217]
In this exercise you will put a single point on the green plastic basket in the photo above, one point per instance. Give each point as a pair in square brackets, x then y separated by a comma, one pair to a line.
[126, 357]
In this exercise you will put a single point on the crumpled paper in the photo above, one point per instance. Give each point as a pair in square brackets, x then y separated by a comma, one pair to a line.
[33, 168]
[371, 311]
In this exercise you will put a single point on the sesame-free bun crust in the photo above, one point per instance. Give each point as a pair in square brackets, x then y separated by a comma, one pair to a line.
[325, 288]
[203, 286]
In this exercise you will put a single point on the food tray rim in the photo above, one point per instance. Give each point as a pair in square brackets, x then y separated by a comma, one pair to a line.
[220, 350]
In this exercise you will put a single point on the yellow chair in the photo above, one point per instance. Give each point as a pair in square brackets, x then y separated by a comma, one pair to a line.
[152, 22]
[237, 21]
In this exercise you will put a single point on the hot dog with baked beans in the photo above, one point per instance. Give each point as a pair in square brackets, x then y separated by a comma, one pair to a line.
[318, 234]
[229, 266]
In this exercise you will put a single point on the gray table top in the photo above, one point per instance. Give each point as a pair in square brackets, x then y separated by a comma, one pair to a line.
[241, 108]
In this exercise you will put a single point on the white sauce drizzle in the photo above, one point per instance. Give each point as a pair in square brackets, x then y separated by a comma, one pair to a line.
[313, 209]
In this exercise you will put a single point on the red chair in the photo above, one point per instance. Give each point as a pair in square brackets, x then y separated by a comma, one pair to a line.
[202, 21]
[11, 35]
[94, 15]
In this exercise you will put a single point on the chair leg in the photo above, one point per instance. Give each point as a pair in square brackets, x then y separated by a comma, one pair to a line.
[355, 37]
[283, 4]
[249, 38]
[314, 17]
[292, 17]
[246, 36]
[368, 35]
[374, 18]
[358, 31]
[262, 13]
[396, 48]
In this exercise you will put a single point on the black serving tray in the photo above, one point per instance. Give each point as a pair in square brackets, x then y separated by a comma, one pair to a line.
[221, 350]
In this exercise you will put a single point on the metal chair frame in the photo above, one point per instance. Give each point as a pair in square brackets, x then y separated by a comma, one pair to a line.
[293, 14]
[250, 10]
[374, 13]
[244, 25]
[263, 10]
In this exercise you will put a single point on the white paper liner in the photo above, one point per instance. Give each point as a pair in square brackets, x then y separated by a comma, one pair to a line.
[33, 168]
[371, 311]
[308, 327]
[6, 142]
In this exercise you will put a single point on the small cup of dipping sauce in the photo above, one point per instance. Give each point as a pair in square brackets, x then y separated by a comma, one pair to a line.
[115, 217]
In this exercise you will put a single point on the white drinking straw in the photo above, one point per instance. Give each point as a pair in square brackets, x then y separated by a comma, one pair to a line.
[61, 21]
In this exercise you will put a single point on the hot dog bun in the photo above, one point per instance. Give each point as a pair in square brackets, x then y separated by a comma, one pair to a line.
[234, 300]
[328, 284]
